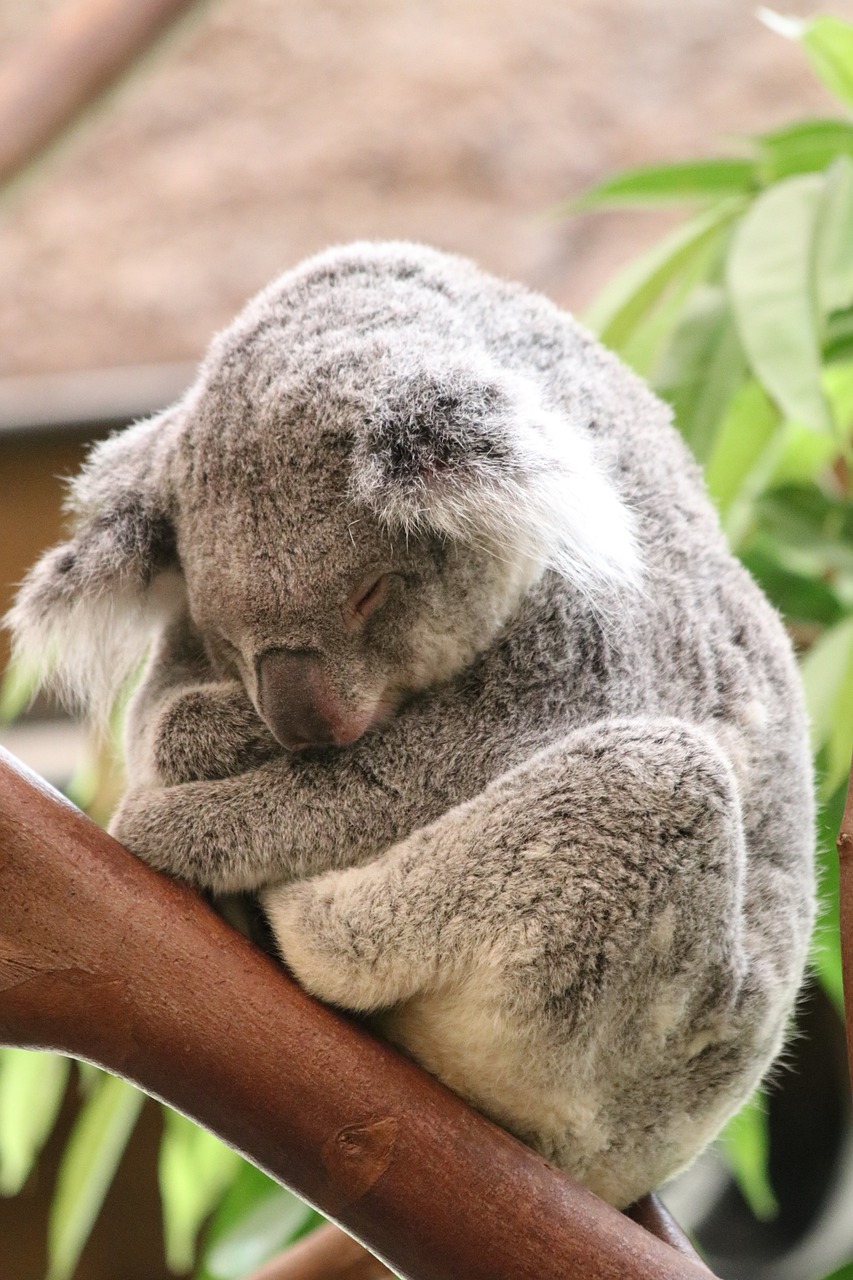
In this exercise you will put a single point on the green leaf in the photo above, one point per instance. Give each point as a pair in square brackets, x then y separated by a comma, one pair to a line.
[96, 1145]
[662, 184]
[838, 339]
[839, 744]
[797, 596]
[828, 42]
[624, 303]
[804, 455]
[195, 1169]
[17, 690]
[809, 146]
[742, 442]
[805, 517]
[746, 1144]
[771, 285]
[262, 1232]
[838, 385]
[844, 1273]
[648, 341]
[826, 942]
[834, 242]
[702, 369]
[32, 1086]
[825, 672]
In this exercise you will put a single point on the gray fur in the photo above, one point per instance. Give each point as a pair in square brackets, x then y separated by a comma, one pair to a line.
[560, 846]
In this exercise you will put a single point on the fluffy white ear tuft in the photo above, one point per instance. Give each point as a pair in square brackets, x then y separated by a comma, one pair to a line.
[475, 455]
[84, 615]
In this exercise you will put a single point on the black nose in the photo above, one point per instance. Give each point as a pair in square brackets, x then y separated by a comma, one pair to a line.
[289, 688]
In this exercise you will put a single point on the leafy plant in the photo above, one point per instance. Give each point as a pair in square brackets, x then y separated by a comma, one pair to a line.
[742, 319]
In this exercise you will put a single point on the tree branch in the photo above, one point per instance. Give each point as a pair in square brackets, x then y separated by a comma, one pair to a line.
[103, 958]
[82, 50]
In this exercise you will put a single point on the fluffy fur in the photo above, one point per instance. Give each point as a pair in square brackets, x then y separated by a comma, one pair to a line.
[550, 820]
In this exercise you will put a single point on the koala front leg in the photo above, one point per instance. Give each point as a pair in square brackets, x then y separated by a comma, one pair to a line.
[186, 724]
[555, 878]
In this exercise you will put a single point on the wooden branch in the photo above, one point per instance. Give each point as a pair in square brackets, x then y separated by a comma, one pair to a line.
[330, 1254]
[80, 51]
[102, 958]
[655, 1217]
[327, 1254]
[845, 896]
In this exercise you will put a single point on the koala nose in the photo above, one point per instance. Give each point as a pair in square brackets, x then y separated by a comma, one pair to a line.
[288, 681]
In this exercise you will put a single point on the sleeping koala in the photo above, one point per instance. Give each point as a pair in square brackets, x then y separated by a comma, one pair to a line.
[449, 663]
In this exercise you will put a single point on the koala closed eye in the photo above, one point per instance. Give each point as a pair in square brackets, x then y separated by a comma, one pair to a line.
[367, 598]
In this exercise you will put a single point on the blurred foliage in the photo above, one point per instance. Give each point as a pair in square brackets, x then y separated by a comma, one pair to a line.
[742, 319]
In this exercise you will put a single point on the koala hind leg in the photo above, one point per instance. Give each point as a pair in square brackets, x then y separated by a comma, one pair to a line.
[567, 950]
[562, 867]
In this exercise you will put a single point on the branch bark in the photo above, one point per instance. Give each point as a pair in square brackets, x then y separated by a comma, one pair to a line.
[102, 958]
[330, 1254]
[82, 50]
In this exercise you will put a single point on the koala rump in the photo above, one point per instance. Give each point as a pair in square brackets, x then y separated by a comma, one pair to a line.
[447, 660]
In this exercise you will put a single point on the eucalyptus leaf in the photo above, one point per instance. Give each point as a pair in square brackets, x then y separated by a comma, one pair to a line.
[806, 517]
[96, 1145]
[828, 42]
[710, 179]
[804, 456]
[746, 1143]
[843, 1273]
[826, 946]
[807, 146]
[838, 339]
[195, 1169]
[630, 297]
[839, 743]
[838, 385]
[799, 597]
[702, 369]
[32, 1086]
[824, 671]
[770, 278]
[17, 689]
[747, 431]
[834, 242]
[648, 342]
[267, 1227]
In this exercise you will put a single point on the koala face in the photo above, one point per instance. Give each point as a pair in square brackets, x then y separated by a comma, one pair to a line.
[351, 501]
[329, 615]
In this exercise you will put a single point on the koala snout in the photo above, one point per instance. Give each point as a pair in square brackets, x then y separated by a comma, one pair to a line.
[291, 699]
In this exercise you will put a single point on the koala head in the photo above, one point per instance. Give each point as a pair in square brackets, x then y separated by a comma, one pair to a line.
[349, 512]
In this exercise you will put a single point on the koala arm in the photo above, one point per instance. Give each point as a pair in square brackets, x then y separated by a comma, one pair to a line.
[184, 724]
[293, 815]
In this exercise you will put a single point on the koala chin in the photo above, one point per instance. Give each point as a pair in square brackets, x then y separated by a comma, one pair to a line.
[447, 660]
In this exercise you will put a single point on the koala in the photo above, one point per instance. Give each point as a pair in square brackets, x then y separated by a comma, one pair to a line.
[447, 661]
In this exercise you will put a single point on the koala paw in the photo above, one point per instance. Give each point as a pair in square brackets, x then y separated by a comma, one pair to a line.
[320, 944]
[177, 830]
[210, 732]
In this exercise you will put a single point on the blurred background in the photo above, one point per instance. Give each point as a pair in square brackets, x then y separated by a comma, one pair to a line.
[259, 131]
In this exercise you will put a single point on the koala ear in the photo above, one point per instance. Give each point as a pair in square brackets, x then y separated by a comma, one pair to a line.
[475, 455]
[84, 614]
